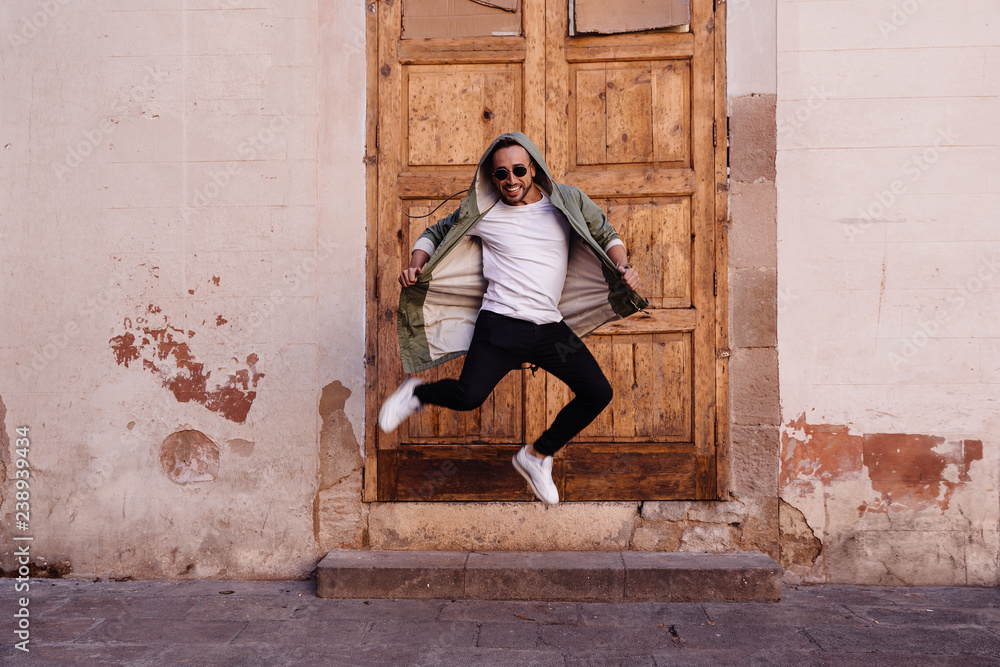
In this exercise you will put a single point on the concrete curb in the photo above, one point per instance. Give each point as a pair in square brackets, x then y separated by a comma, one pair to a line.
[569, 576]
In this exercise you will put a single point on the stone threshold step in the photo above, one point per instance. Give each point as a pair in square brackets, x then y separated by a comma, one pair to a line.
[576, 576]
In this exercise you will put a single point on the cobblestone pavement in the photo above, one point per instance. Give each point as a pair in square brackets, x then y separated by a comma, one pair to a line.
[284, 623]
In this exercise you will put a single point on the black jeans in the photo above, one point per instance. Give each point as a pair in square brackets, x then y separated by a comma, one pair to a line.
[499, 345]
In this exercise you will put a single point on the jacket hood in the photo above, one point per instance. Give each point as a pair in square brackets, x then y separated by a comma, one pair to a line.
[484, 193]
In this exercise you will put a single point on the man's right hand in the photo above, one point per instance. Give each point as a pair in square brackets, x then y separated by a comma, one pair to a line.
[408, 276]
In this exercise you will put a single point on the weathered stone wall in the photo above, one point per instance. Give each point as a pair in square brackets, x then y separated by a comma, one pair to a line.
[183, 243]
[888, 253]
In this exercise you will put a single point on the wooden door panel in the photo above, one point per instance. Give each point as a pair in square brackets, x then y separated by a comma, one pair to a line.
[626, 472]
[454, 111]
[451, 472]
[631, 112]
[499, 419]
[657, 233]
[652, 378]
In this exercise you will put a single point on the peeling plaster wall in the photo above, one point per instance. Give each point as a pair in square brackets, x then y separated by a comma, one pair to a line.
[888, 255]
[182, 247]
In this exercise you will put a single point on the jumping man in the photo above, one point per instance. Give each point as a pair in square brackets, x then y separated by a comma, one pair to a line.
[522, 269]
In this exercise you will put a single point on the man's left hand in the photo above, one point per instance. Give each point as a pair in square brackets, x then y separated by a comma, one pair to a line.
[630, 276]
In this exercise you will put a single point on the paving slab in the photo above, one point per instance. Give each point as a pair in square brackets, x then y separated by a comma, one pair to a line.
[134, 605]
[582, 576]
[918, 639]
[501, 611]
[497, 657]
[372, 610]
[150, 630]
[61, 655]
[248, 607]
[327, 633]
[924, 615]
[508, 635]
[425, 633]
[746, 636]
[617, 638]
[790, 613]
[617, 659]
[643, 613]
[814, 658]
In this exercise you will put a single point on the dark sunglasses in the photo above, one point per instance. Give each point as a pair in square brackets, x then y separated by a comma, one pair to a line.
[501, 173]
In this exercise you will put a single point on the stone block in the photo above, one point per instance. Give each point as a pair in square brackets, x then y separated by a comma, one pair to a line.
[710, 537]
[657, 536]
[710, 511]
[391, 574]
[753, 467]
[753, 387]
[665, 510]
[752, 138]
[688, 577]
[752, 232]
[758, 531]
[501, 526]
[554, 575]
[753, 295]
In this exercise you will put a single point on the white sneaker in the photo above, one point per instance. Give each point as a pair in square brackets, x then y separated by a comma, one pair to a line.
[400, 405]
[538, 472]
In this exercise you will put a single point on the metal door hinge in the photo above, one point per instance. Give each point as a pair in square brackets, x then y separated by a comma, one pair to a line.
[715, 283]
[715, 134]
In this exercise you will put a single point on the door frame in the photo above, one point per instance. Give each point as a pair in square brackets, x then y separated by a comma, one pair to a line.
[717, 478]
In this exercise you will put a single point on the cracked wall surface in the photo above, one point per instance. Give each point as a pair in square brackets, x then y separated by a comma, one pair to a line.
[888, 255]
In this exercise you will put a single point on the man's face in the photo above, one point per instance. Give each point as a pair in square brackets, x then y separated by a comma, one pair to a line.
[515, 190]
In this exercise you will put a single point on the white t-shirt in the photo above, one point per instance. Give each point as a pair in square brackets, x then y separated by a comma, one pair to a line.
[525, 253]
[525, 257]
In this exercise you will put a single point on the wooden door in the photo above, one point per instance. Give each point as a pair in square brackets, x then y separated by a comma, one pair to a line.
[631, 120]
